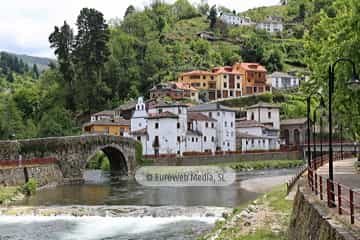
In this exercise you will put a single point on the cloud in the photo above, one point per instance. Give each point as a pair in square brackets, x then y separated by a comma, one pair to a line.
[26, 25]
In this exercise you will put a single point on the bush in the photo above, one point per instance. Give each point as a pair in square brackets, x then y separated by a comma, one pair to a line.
[30, 187]
[138, 153]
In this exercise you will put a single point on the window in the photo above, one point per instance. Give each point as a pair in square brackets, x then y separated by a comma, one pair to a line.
[269, 114]
[238, 77]
[218, 114]
[231, 124]
[138, 138]
[178, 139]
[206, 124]
[225, 76]
[238, 85]
[210, 114]
[156, 125]
[247, 142]
[204, 77]
[204, 84]
[178, 125]
[228, 144]
[160, 110]
[231, 93]
[252, 116]
[212, 139]
[212, 125]
[225, 124]
[139, 124]
[205, 139]
[197, 139]
[212, 77]
[193, 139]
[179, 110]
[263, 141]
[225, 85]
[252, 141]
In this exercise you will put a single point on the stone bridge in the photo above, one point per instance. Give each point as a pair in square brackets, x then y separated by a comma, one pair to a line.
[72, 153]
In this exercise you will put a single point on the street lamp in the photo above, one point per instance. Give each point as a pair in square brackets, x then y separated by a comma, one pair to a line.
[321, 106]
[354, 82]
[308, 103]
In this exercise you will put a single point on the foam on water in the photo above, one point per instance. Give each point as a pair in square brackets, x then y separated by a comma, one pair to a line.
[91, 228]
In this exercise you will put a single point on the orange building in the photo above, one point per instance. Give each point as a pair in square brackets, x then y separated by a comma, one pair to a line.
[254, 77]
[197, 79]
[105, 122]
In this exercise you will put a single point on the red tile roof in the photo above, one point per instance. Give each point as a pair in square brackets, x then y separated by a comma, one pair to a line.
[162, 115]
[253, 67]
[197, 72]
[194, 116]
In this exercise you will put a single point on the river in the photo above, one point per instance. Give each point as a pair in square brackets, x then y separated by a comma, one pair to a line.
[123, 209]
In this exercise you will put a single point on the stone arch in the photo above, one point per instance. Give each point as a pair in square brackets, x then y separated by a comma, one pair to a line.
[119, 164]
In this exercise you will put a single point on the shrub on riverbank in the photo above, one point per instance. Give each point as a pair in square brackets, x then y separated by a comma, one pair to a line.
[266, 164]
[29, 188]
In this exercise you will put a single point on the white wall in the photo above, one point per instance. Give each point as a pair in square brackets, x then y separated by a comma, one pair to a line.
[262, 115]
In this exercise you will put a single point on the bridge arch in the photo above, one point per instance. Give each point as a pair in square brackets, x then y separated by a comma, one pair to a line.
[118, 162]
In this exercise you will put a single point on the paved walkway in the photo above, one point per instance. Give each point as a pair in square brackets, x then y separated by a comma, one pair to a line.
[344, 173]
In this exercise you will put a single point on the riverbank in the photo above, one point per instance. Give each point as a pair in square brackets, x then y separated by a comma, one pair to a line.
[263, 164]
[267, 217]
[10, 194]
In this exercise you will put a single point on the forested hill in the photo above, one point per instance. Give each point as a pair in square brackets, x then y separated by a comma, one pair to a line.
[41, 62]
[122, 59]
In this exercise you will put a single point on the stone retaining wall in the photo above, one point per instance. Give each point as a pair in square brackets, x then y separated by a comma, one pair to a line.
[44, 175]
[312, 220]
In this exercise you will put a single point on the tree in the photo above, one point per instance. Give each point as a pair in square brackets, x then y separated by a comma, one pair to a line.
[130, 10]
[302, 12]
[62, 40]
[56, 122]
[274, 62]
[204, 8]
[253, 50]
[184, 10]
[90, 53]
[213, 16]
[35, 72]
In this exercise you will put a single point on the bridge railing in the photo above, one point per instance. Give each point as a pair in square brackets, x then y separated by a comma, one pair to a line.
[345, 199]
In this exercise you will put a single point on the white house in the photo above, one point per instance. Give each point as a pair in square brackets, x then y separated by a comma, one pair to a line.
[232, 19]
[170, 129]
[261, 128]
[280, 80]
[225, 125]
[271, 24]
[106, 115]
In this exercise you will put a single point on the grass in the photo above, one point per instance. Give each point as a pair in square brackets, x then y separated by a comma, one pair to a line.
[263, 164]
[279, 208]
[7, 193]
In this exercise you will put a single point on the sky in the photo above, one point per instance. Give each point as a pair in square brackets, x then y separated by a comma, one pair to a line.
[26, 25]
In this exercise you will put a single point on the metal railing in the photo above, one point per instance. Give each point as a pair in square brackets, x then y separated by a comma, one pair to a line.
[345, 199]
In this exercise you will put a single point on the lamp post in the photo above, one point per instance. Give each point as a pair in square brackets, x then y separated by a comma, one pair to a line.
[321, 106]
[341, 142]
[308, 104]
[354, 82]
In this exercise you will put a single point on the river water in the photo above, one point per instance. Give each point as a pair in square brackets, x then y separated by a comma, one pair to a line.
[170, 213]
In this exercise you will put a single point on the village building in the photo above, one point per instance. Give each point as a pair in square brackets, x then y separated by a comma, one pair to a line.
[260, 130]
[174, 90]
[105, 122]
[228, 82]
[271, 24]
[232, 19]
[280, 80]
[293, 131]
[225, 124]
[254, 78]
[175, 129]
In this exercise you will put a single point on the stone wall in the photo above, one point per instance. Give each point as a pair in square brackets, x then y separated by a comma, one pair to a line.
[44, 175]
[312, 220]
[204, 160]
